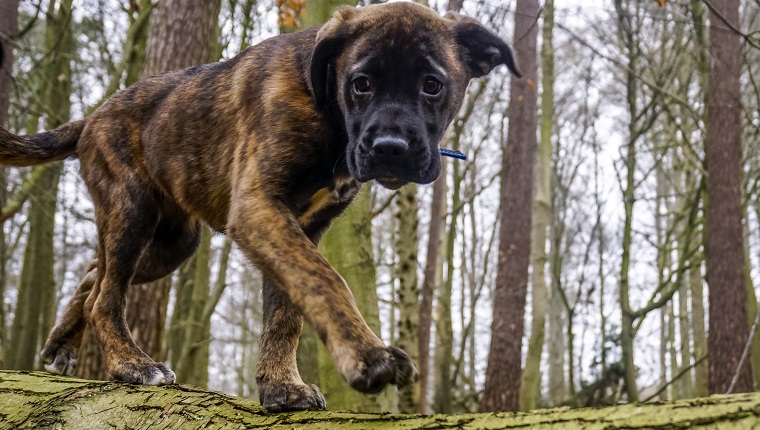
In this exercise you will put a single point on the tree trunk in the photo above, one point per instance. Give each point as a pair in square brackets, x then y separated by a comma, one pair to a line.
[36, 304]
[429, 286]
[728, 332]
[663, 260]
[40, 400]
[696, 286]
[530, 386]
[601, 248]
[444, 331]
[675, 393]
[191, 365]
[624, 22]
[665, 394]
[190, 329]
[182, 34]
[135, 48]
[133, 57]
[751, 302]
[8, 23]
[752, 307]
[558, 342]
[685, 385]
[348, 247]
[557, 350]
[8, 28]
[698, 328]
[502, 386]
[407, 293]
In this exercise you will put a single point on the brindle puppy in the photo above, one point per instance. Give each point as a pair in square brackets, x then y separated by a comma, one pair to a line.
[268, 148]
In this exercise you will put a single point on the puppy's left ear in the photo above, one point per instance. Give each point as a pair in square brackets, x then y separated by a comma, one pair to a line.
[331, 40]
[481, 49]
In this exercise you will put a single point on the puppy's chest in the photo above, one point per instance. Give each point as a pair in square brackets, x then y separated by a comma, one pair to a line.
[335, 194]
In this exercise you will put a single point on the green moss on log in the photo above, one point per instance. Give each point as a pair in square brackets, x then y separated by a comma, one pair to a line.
[36, 400]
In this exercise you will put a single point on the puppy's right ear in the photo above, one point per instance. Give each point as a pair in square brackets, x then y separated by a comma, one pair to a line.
[331, 41]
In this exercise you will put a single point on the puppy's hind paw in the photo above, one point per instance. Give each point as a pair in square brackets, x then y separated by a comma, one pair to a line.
[143, 373]
[60, 361]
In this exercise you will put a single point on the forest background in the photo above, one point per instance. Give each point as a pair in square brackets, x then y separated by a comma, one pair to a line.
[571, 260]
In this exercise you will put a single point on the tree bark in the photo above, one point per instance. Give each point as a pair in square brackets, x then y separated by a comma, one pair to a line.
[696, 284]
[530, 386]
[728, 331]
[701, 374]
[444, 331]
[348, 247]
[191, 364]
[502, 386]
[751, 302]
[429, 286]
[8, 28]
[40, 400]
[558, 347]
[407, 292]
[182, 34]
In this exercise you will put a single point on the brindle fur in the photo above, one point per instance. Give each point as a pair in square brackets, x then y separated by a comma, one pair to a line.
[268, 148]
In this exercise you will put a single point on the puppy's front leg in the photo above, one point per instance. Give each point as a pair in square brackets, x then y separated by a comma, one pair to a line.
[271, 237]
[280, 385]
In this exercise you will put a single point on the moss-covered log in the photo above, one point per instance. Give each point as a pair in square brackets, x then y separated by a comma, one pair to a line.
[35, 400]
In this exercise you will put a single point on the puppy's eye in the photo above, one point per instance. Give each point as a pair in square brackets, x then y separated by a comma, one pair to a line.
[432, 86]
[362, 85]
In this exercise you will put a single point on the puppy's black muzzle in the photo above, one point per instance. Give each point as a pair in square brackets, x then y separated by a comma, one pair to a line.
[394, 161]
[394, 149]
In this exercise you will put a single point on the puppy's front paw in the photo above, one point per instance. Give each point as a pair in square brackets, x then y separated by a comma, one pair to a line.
[405, 372]
[380, 367]
[291, 397]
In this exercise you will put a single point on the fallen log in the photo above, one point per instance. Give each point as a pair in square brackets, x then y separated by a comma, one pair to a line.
[38, 400]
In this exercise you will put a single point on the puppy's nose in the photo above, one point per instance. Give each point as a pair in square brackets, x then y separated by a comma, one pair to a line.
[389, 147]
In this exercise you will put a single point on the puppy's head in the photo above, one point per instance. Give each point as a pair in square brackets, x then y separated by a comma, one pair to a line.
[398, 73]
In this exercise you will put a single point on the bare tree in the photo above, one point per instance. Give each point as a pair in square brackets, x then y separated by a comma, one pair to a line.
[728, 331]
[502, 386]
[531, 378]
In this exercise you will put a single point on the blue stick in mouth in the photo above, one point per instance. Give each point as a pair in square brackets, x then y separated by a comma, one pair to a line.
[453, 153]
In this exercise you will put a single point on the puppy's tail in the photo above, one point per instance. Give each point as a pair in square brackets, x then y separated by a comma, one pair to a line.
[42, 147]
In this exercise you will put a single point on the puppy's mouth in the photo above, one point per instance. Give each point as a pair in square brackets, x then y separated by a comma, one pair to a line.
[391, 183]
[393, 169]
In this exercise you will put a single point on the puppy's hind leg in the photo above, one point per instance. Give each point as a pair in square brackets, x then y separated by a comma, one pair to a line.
[127, 217]
[60, 352]
[176, 238]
